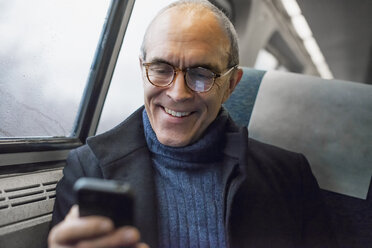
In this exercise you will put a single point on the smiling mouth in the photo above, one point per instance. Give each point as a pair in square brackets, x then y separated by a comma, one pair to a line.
[175, 113]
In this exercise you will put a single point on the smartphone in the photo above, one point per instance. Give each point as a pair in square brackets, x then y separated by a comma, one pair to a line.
[113, 199]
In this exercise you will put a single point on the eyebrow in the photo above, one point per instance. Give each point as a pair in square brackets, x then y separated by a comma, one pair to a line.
[160, 60]
[206, 66]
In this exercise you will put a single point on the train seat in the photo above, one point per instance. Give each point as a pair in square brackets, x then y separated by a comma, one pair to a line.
[330, 121]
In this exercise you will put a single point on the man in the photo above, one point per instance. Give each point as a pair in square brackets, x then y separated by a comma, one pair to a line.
[198, 180]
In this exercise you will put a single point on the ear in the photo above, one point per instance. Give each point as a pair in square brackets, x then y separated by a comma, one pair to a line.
[140, 62]
[233, 82]
[141, 68]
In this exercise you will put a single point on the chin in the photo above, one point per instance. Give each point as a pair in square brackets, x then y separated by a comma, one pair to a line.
[173, 142]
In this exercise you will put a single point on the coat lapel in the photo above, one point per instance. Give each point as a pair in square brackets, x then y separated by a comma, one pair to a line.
[123, 155]
[234, 169]
[137, 170]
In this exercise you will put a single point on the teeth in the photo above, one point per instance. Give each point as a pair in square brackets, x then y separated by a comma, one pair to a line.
[175, 113]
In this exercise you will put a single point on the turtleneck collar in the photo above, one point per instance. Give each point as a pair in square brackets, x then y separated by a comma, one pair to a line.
[208, 148]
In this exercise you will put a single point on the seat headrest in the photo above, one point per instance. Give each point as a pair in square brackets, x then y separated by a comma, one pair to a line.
[330, 121]
[241, 102]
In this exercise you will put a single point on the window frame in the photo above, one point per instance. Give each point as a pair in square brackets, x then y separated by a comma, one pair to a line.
[43, 149]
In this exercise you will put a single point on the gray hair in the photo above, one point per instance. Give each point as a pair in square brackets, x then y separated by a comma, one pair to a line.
[226, 25]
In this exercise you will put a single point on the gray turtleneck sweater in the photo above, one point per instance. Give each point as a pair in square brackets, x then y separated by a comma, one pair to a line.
[189, 189]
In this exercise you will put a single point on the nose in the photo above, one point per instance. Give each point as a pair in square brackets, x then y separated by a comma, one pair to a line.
[178, 91]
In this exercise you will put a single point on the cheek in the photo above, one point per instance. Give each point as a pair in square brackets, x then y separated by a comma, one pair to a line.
[149, 91]
[152, 97]
[218, 95]
[224, 92]
[213, 104]
[146, 95]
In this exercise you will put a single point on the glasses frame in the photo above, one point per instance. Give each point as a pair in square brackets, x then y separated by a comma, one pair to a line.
[184, 71]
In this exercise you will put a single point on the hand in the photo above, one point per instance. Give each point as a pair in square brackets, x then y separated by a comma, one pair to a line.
[92, 232]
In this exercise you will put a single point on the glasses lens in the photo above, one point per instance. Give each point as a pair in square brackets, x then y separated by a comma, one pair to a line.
[199, 79]
[160, 74]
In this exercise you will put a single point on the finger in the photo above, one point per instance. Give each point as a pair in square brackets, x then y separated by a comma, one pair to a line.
[125, 236]
[73, 230]
[52, 237]
[142, 245]
[73, 213]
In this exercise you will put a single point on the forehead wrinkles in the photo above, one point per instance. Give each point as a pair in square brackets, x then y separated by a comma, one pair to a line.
[185, 25]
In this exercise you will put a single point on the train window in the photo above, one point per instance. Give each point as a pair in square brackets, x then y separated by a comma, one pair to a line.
[278, 56]
[267, 61]
[46, 49]
[126, 93]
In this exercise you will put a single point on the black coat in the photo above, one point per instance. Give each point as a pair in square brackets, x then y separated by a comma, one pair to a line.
[271, 198]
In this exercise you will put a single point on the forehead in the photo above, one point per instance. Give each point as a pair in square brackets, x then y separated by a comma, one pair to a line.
[187, 36]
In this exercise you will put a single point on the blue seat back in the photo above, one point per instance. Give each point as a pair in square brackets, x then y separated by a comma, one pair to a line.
[342, 109]
[241, 102]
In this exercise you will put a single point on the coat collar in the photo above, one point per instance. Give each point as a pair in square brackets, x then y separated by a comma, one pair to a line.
[119, 141]
[123, 155]
[128, 136]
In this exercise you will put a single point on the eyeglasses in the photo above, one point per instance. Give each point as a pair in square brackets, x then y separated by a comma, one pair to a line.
[198, 79]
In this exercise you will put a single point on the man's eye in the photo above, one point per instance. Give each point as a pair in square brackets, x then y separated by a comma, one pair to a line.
[161, 70]
[201, 74]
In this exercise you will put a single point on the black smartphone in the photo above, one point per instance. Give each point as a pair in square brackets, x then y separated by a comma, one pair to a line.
[113, 199]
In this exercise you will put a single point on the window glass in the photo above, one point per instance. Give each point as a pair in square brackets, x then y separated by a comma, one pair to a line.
[126, 93]
[46, 49]
[267, 61]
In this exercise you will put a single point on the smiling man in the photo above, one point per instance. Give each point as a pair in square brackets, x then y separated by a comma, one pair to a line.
[199, 181]
[185, 102]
